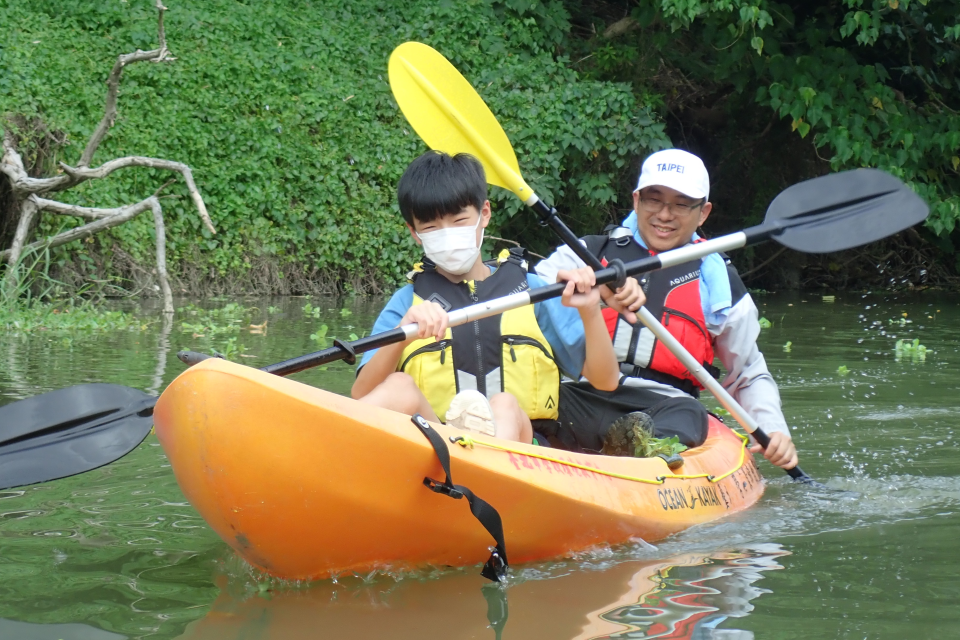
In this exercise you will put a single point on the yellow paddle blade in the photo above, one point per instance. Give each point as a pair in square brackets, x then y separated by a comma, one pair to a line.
[448, 114]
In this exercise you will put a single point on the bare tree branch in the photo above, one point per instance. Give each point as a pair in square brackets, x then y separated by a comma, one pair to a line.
[620, 27]
[113, 88]
[27, 190]
[110, 218]
[28, 211]
[80, 174]
[103, 219]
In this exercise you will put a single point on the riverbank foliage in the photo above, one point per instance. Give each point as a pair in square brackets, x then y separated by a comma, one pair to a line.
[770, 93]
[284, 112]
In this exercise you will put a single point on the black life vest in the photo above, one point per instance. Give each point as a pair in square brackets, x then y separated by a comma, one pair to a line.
[673, 295]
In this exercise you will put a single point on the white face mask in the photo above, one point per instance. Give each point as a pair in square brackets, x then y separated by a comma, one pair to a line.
[453, 249]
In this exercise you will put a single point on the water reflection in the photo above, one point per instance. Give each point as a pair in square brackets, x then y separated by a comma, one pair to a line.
[684, 597]
[120, 549]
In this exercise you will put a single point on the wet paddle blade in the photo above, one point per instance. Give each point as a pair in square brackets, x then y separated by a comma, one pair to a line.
[70, 431]
[450, 116]
[844, 210]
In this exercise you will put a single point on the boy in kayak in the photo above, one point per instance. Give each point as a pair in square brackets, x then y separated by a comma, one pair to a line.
[703, 303]
[494, 375]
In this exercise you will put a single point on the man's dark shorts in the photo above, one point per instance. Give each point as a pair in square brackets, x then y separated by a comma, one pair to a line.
[586, 413]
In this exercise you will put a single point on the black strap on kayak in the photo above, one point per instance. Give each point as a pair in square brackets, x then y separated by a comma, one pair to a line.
[495, 568]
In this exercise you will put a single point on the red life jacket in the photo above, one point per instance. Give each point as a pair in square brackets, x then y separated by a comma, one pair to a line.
[673, 295]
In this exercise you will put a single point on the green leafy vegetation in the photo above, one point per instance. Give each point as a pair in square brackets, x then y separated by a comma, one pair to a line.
[914, 351]
[648, 447]
[320, 336]
[764, 323]
[769, 92]
[842, 370]
[33, 302]
[201, 322]
[284, 113]
[64, 317]
[218, 329]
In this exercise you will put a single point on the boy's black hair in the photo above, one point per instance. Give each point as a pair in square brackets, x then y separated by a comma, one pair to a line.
[436, 184]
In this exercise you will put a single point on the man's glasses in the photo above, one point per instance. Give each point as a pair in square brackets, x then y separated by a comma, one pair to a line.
[653, 205]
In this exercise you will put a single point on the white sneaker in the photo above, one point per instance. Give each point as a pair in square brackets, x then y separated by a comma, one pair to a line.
[470, 410]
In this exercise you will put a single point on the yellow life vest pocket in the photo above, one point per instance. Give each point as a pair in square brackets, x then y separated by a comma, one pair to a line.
[431, 367]
[529, 366]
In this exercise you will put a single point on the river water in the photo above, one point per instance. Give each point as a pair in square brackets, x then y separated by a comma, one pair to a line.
[119, 553]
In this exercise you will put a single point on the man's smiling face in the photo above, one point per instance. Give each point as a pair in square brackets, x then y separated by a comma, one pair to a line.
[667, 219]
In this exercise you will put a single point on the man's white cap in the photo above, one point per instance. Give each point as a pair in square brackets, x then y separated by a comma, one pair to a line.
[677, 169]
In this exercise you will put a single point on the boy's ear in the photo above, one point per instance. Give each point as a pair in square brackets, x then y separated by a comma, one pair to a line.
[413, 234]
[485, 213]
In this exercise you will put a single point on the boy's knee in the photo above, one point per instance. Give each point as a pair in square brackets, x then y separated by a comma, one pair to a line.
[505, 402]
[400, 381]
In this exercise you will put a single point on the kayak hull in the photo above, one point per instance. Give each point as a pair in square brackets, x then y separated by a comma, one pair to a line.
[307, 484]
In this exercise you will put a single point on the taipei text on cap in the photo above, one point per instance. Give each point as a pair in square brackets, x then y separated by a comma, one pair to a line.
[678, 170]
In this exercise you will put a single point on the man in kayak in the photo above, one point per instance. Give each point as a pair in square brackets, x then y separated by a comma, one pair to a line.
[703, 303]
[495, 375]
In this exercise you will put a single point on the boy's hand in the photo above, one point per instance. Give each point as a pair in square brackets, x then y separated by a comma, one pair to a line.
[781, 452]
[626, 300]
[580, 291]
[430, 317]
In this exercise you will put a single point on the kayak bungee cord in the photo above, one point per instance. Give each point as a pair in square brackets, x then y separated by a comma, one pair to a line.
[468, 442]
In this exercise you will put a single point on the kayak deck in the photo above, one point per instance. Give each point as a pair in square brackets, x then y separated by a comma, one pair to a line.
[307, 484]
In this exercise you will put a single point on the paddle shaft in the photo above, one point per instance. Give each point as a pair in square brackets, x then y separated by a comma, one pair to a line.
[346, 350]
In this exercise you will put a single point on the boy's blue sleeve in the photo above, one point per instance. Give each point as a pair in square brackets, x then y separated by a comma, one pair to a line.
[390, 317]
[563, 329]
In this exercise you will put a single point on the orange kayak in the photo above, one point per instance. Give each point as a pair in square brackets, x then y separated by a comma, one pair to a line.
[307, 484]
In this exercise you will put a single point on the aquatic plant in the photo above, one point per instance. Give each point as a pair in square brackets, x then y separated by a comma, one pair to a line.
[647, 446]
[204, 323]
[230, 349]
[914, 350]
[32, 301]
[765, 324]
[320, 337]
[842, 370]
[788, 347]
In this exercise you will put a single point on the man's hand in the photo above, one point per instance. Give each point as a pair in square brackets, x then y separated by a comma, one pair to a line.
[430, 317]
[626, 299]
[781, 451]
[580, 291]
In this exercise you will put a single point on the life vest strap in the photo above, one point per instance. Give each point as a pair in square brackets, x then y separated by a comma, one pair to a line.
[495, 568]
[687, 386]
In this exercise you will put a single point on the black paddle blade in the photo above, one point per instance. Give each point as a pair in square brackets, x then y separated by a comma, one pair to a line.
[69, 431]
[843, 210]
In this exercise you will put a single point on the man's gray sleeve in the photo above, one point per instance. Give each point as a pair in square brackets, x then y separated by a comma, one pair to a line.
[562, 258]
[748, 380]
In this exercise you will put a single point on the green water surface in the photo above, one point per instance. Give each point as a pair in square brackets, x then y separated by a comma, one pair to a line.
[119, 553]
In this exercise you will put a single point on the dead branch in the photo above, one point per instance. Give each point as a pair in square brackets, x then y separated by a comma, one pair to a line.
[81, 174]
[28, 191]
[620, 27]
[102, 219]
[113, 87]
